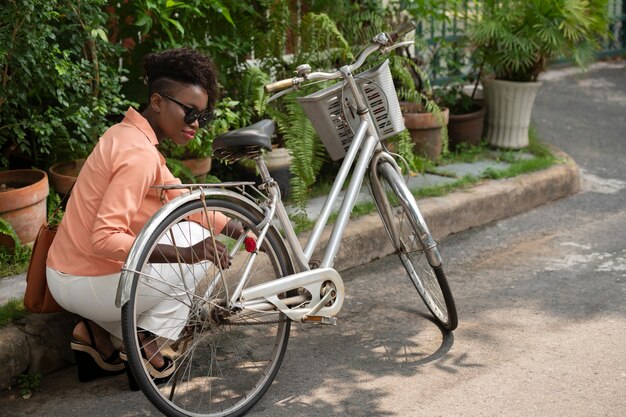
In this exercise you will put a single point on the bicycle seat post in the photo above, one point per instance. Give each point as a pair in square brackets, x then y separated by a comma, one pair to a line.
[266, 177]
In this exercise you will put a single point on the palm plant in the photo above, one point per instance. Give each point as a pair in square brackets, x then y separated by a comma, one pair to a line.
[519, 38]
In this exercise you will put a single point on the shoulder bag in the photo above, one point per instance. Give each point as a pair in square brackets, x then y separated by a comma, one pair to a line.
[37, 297]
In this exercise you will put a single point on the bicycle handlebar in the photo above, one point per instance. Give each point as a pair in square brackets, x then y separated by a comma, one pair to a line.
[380, 41]
[281, 85]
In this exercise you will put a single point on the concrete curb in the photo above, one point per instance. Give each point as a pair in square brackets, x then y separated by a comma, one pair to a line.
[366, 239]
[40, 343]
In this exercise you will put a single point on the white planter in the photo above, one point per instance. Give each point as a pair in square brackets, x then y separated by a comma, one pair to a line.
[510, 105]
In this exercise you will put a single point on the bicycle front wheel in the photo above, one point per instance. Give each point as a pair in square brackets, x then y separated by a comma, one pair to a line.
[410, 237]
[221, 360]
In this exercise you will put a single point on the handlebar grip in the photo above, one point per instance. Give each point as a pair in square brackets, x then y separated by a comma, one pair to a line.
[402, 30]
[279, 85]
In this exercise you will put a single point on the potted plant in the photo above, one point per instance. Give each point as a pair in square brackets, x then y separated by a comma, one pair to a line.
[253, 109]
[297, 152]
[63, 175]
[466, 118]
[425, 120]
[444, 57]
[453, 65]
[191, 161]
[23, 194]
[427, 126]
[517, 40]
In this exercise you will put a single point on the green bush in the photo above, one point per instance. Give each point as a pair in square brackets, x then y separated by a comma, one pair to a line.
[59, 80]
[145, 26]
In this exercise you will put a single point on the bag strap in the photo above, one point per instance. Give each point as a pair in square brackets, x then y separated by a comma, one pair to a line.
[61, 203]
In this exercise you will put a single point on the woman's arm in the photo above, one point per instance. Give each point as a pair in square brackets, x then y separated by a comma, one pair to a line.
[208, 249]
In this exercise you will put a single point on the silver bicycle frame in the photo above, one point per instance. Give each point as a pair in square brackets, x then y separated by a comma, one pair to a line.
[364, 143]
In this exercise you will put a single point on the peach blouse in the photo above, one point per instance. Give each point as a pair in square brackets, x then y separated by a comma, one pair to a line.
[112, 200]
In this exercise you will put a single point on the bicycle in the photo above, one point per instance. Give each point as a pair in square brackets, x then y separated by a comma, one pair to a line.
[229, 334]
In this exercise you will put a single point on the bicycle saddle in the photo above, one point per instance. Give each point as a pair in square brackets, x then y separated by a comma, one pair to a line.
[247, 142]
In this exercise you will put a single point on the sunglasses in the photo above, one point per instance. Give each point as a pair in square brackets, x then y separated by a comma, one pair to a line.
[191, 114]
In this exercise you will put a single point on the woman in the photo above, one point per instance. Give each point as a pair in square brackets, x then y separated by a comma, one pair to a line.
[112, 200]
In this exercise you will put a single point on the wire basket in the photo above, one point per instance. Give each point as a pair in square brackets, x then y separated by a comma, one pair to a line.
[332, 111]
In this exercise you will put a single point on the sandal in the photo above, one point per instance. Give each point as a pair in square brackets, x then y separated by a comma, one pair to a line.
[90, 363]
[159, 375]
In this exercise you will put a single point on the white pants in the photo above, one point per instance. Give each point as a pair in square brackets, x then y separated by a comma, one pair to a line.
[162, 303]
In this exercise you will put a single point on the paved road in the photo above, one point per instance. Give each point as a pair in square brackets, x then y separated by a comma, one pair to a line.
[541, 299]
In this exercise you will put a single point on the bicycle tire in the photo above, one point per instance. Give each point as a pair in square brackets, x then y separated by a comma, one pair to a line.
[430, 281]
[226, 363]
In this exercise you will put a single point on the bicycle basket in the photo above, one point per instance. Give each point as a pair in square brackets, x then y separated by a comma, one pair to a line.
[332, 111]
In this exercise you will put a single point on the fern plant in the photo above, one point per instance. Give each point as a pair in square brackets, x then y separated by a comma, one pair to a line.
[404, 146]
[321, 41]
[361, 25]
[13, 260]
[252, 94]
[7, 230]
[518, 38]
[304, 145]
[321, 45]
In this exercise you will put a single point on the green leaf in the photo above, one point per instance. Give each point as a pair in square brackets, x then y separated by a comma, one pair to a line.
[177, 25]
[102, 34]
[7, 230]
[144, 21]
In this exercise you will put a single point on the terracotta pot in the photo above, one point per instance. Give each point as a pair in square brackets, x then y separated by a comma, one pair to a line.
[198, 167]
[466, 128]
[425, 130]
[510, 106]
[23, 194]
[63, 175]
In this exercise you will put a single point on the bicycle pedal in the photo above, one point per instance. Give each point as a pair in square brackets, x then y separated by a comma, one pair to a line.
[320, 319]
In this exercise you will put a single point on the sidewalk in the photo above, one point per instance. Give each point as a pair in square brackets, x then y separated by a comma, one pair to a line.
[40, 343]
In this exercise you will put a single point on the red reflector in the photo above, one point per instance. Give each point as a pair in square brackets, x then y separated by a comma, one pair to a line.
[250, 244]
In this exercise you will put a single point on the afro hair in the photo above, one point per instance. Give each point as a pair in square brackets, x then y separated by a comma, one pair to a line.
[184, 65]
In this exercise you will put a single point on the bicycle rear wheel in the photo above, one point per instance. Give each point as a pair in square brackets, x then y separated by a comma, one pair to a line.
[223, 360]
[412, 241]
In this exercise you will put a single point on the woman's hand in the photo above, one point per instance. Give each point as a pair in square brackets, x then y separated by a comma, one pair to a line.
[210, 249]
[234, 229]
